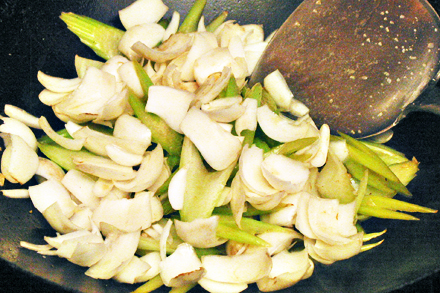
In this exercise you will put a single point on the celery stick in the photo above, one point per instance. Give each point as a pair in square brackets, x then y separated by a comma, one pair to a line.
[394, 204]
[384, 213]
[192, 19]
[183, 289]
[362, 190]
[231, 89]
[249, 136]
[269, 101]
[148, 244]
[366, 247]
[405, 171]
[103, 39]
[256, 92]
[217, 22]
[161, 133]
[203, 188]
[388, 155]
[227, 231]
[253, 226]
[150, 285]
[81, 65]
[369, 236]
[144, 79]
[292, 147]
[46, 139]
[61, 156]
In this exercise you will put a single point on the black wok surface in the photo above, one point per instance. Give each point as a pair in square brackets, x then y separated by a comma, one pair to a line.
[32, 38]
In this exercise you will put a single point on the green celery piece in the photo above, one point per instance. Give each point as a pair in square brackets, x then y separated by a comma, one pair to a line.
[164, 23]
[61, 156]
[203, 187]
[183, 289]
[256, 92]
[378, 167]
[362, 190]
[388, 155]
[370, 236]
[394, 204]
[365, 156]
[370, 246]
[374, 180]
[384, 213]
[227, 231]
[250, 211]
[377, 192]
[292, 147]
[161, 133]
[249, 136]
[173, 162]
[46, 139]
[231, 89]
[81, 65]
[261, 144]
[213, 25]
[103, 39]
[269, 101]
[191, 21]
[150, 285]
[144, 79]
[63, 132]
[405, 171]
[253, 226]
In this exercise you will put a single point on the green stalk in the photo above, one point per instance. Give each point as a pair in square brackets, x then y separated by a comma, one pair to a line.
[249, 136]
[217, 22]
[103, 39]
[150, 285]
[161, 133]
[192, 19]
[227, 231]
[231, 89]
[270, 102]
[388, 155]
[144, 79]
[61, 156]
[292, 147]
[148, 244]
[183, 289]
[252, 226]
[384, 213]
[394, 204]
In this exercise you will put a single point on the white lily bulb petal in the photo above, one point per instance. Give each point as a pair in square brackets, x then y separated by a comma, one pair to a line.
[330, 221]
[182, 267]
[278, 127]
[15, 193]
[82, 63]
[19, 162]
[201, 25]
[249, 118]
[297, 108]
[165, 237]
[302, 223]
[227, 31]
[57, 84]
[127, 215]
[14, 126]
[147, 174]
[130, 128]
[103, 168]
[339, 148]
[70, 144]
[253, 55]
[112, 65]
[238, 199]
[84, 254]
[173, 26]
[288, 269]
[58, 220]
[267, 202]
[49, 192]
[149, 34]
[176, 189]
[284, 173]
[21, 115]
[102, 187]
[80, 235]
[255, 33]
[120, 249]
[50, 98]
[250, 171]
[310, 246]
[153, 260]
[142, 11]
[279, 240]
[244, 268]
[72, 127]
[170, 104]
[277, 87]
[322, 147]
[121, 156]
[200, 232]
[128, 74]
[236, 47]
[131, 272]
[224, 110]
[213, 85]
[285, 216]
[221, 287]
[203, 43]
[217, 146]
[164, 175]
[82, 218]
[339, 252]
[214, 61]
[81, 186]
[96, 88]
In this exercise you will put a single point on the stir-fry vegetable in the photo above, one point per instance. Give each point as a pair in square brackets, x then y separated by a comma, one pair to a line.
[172, 171]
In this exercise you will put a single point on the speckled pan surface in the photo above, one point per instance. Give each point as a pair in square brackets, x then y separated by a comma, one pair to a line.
[32, 38]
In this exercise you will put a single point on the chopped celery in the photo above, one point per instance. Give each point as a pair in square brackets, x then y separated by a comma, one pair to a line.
[267, 99]
[192, 19]
[384, 213]
[213, 25]
[394, 204]
[103, 39]
[144, 79]
[249, 136]
[81, 65]
[253, 226]
[150, 285]
[183, 289]
[203, 188]
[231, 89]
[161, 133]
[405, 171]
[292, 147]
[61, 156]
[388, 155]
[228, 231]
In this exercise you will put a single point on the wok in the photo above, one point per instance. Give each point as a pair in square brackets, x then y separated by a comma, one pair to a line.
[32, 38]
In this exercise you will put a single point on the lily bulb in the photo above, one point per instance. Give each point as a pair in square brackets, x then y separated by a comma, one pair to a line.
[142, 11]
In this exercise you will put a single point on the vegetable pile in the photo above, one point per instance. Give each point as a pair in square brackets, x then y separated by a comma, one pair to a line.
[171, 170]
